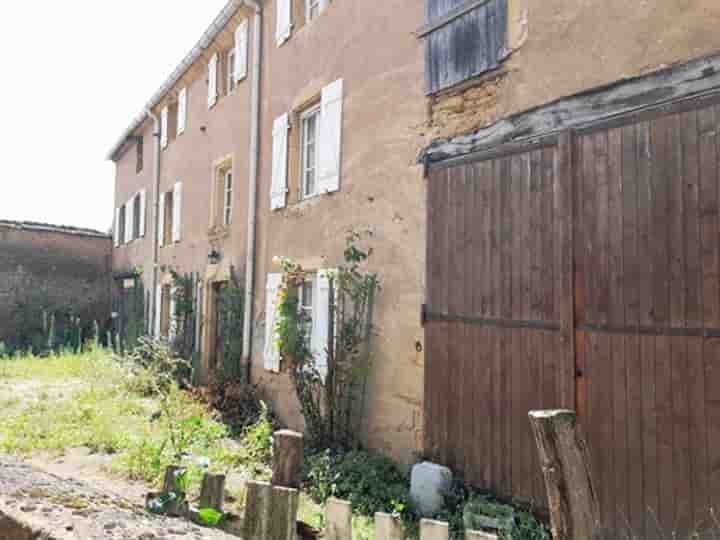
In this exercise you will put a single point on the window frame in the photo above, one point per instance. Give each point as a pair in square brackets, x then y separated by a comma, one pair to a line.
[230, 82]
[307, 312]
[136, 217]
[139, 154]
[121, 225]
[311, 112]
[227, 196]
[309, 6]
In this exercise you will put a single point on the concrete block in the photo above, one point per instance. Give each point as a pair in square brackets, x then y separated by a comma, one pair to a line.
[338, 520]
[388, 527]
[428, 484]
[434, 530]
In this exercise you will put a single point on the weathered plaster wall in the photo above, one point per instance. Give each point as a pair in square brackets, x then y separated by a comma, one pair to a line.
[561, 48]
[381, 62]
[65, 270]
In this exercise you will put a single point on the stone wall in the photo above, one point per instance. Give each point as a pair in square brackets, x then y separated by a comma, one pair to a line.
[52, 268]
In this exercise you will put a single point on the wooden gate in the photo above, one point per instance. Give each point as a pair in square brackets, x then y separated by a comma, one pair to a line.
[582, 271]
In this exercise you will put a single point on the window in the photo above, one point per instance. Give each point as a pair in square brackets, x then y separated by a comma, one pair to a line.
[309, 152]
[305, 306]
[169, 214]
[227, 197]
[313, 9]
[136, 216]
[231, 82]
[467, 35]
[139, 154]
[121, 225]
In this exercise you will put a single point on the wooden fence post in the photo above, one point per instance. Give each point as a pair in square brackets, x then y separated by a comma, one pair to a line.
[287, 458]
[212, 491]
[572, 499]
[434, 530]
[338, 520]
[388, 527]
[270, 512]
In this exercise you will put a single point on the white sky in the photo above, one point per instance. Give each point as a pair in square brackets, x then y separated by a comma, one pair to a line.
[75, 73]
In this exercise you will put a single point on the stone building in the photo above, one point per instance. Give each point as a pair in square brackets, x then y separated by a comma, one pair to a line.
[291, 122]
[51, 270]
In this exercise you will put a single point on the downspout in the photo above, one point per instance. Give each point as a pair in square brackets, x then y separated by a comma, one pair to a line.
[156, 216]
[253, 187]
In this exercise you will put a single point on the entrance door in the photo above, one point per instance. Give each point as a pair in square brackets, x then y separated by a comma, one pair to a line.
[498, 328]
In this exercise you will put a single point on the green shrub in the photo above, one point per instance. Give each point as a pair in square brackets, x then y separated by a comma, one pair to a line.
[369, 481]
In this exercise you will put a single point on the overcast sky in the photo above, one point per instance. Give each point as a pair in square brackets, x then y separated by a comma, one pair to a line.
[75, 73]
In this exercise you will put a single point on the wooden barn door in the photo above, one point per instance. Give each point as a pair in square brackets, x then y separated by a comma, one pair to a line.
[648, 315]
[584, 272]
[498, 330]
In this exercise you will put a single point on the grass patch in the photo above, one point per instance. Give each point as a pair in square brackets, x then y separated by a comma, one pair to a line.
[101, 406]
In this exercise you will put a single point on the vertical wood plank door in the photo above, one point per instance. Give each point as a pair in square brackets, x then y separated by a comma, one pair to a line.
[494, 314]
[583, 271]
[648, 316]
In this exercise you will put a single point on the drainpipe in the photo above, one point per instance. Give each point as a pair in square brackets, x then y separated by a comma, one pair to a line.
[156, 212]
[253, 186]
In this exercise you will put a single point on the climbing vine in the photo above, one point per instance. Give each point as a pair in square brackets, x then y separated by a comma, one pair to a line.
[332, 401]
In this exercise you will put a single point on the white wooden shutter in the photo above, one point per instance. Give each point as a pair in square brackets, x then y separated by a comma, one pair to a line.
[284, 21]
[177, 213]
[272, 353]
[320, 323]
[182, 111]
[117, 227]
[161, 220]
[158, 309]
[330, 137]
[172, 323]
[278, 190]
[241, 51]
[129, 221]
[142, 212]
[212, 81]
[164, 127]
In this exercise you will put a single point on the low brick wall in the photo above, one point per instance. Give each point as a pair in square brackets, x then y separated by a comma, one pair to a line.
[56, 268]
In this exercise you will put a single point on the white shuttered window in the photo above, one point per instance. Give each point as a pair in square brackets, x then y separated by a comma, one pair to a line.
[278, 190]
[283, 22]
[117, 227]
[272, 353]
[182, 111]
[142, 212]
[161, 220]
[213, 81]
[177, 213]
[129, 207]
[321, 322]
[331, 111]
[241, 51]
[158, 309]
[164, 127]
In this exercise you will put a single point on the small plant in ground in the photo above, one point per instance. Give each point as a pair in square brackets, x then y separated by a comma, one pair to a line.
[239, 404]
[369, 481]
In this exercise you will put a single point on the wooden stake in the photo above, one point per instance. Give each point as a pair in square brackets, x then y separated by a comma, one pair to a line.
[212, 491]
[287, 458]
[572, 499]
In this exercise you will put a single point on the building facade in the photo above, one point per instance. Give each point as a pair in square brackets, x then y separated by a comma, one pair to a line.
[292, 122]
[273, 144]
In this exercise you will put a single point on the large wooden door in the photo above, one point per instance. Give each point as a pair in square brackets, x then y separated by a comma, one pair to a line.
[583, 272]
[496, 325]
[648, 315]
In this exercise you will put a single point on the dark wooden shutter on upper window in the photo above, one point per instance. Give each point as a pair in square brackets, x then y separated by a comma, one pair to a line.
[463, 39]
